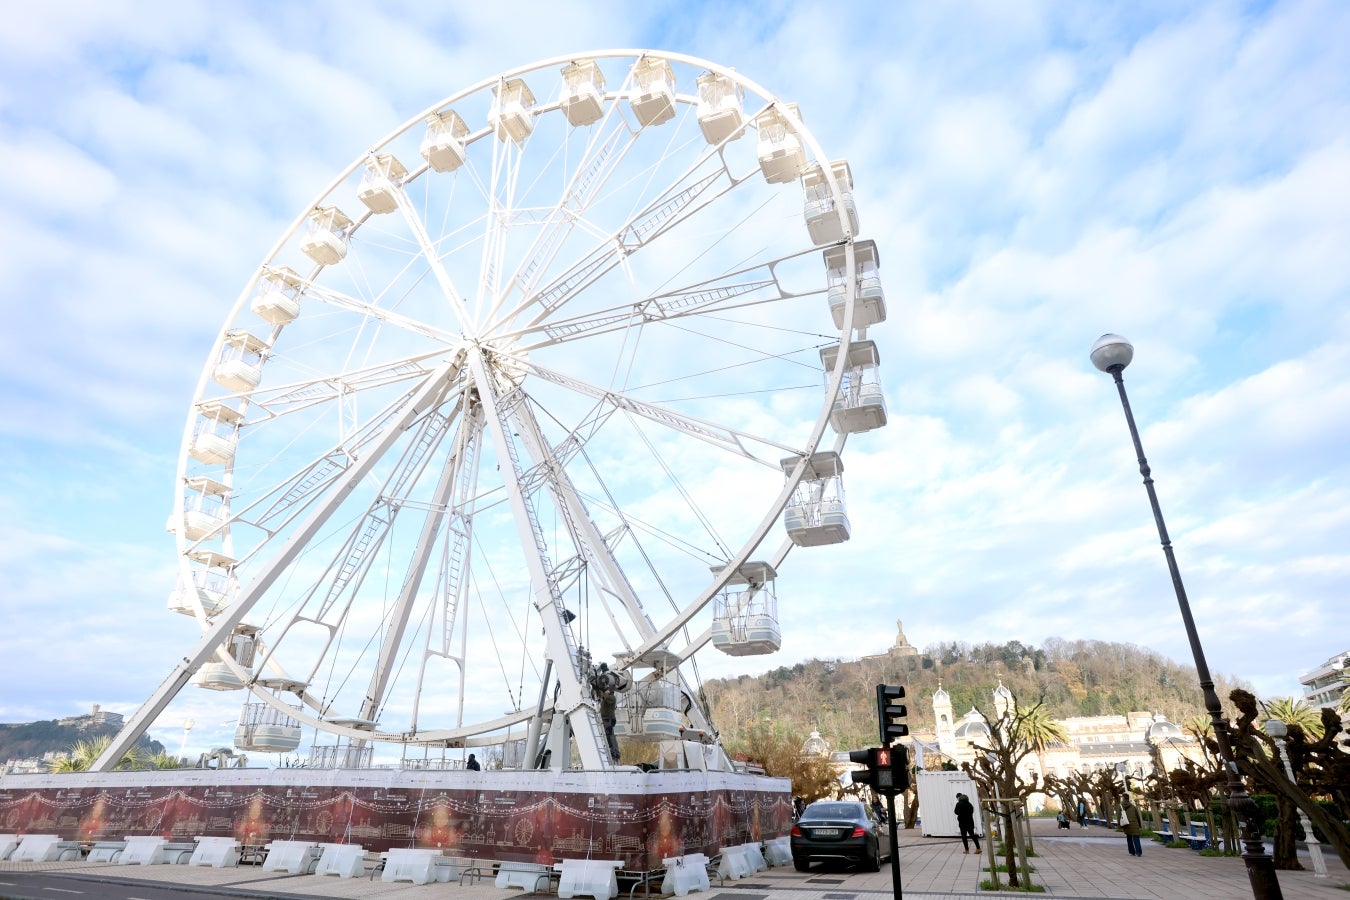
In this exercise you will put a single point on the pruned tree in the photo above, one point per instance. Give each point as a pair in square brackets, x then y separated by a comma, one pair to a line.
[1320, 768]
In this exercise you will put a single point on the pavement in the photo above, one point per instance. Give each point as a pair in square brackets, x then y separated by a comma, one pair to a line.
[1077, 863]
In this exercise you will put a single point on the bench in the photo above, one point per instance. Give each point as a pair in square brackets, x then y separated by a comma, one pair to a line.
[524, 875]
[178, 853]
[106, 851]
[7, 844]
[643, 880]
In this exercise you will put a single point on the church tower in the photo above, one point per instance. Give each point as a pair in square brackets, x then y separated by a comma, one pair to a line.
[942, 716]
[1004, 705]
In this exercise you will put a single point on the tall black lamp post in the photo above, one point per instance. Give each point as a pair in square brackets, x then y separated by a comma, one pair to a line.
[1112, 353]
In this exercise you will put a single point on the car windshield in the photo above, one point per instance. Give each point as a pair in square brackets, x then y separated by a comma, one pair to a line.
[851, 811]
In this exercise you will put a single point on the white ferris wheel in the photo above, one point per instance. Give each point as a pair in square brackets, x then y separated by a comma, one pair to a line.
[553, 376]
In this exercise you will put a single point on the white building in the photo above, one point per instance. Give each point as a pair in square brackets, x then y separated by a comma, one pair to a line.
[1324, 686]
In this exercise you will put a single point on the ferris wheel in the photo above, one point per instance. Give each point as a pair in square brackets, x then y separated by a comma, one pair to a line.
[532, 400]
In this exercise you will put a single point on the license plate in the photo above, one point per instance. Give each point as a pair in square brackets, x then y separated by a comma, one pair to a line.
[827, 832]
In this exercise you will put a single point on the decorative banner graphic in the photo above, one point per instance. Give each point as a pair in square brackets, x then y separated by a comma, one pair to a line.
[541, 817]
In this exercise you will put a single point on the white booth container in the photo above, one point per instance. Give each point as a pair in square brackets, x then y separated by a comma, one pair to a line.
[937, 799]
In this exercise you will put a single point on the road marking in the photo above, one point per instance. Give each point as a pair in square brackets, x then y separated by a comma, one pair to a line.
[62, 890]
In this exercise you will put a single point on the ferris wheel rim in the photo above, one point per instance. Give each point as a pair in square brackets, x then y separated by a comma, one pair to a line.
[759, 533]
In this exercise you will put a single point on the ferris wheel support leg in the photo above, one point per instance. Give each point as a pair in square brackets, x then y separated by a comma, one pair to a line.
[536, 724]
[420, 400]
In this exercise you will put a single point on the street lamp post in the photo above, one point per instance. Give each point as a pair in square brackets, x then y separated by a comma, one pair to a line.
[1111, 354]
[1278, 731]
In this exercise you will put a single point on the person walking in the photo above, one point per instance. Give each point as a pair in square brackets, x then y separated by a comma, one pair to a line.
[472, 764]
[1132, 826]
[965, 820]
[1082, 813]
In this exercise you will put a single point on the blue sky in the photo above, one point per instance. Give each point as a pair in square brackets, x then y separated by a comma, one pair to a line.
[1034, 174]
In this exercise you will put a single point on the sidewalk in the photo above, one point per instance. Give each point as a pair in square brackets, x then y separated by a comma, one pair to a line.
[1090, 863]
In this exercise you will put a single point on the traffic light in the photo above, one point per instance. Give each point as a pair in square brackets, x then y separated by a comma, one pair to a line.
[868, 775]
[900, 769]
[885, 769]
[883, 776]
[891, 712]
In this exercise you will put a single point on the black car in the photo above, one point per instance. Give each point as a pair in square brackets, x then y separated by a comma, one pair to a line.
[839, 829]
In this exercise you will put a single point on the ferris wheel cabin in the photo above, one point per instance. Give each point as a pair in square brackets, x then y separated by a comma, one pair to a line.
[277, 298]
[745, 614]
[217, 674]
[781, 154]
[720, 112]
[215, 434]
[325, 239]
[511, 114]
[815, 514]
[822, 216]
[859, 404]
[443, 145]
[653, 100]
[382, 179]
[871, 300]
[209, 582]
[583, 92]
[203, 507]
[241, 360]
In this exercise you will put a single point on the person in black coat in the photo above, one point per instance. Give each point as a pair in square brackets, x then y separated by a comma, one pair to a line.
[965, 820]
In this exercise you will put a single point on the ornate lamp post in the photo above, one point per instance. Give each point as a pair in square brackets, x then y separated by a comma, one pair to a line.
[1278, 731]
[1111, 354]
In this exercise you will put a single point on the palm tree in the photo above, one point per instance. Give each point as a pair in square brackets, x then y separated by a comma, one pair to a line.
[1294, 712]
[163, 760]
[1036, 729]
[1200, 726]
[84, 754]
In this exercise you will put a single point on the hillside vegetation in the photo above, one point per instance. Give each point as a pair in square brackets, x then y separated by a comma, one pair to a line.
[33, 739]
[837, 697]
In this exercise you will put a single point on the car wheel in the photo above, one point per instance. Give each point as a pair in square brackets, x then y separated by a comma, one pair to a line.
[801, 863]
[872, 861]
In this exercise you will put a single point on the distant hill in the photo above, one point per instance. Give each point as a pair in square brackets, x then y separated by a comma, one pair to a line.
[33, 739]
[1071, 678]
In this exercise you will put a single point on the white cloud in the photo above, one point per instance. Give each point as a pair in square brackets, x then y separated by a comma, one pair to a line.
[1033, 176]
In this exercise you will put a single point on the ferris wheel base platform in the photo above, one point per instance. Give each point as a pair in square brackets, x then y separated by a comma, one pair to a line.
[636, 818]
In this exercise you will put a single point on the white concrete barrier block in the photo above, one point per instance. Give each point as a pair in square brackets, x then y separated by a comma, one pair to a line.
[588, 878]
[342, 860]
[409, 864]
[685, 874]
[735, 864]
[143, 850]
[216, 852]
[778, 851]
[37, 848]
[289, 856]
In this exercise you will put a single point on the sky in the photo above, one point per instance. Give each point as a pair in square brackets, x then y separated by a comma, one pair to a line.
[1034, 175]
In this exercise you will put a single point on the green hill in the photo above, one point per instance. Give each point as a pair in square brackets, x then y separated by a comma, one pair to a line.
[1071, 678]
[33, 739]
